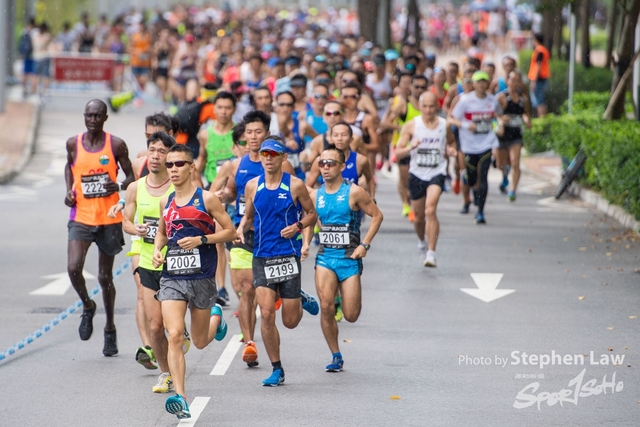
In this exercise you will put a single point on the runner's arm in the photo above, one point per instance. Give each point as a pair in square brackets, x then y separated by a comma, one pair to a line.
[300, 195]
[249, 210]
[403, 148]
[161, 238]
[70, 197]
[230, 191]
[361, 200]
[308, 130]
[221, 178]
[366, 169]
[129, 212]
[358, 145]
[370, 124]
[217, 212]
[307, 233]
[286, 167]
[313, 174]
[201, 161]
[122, 157]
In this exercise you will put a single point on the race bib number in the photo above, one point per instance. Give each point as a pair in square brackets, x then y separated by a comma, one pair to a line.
[294, 159]
[92, 185]
[242, 205]
[183, 262]
[515, 121]
[484, 126]
[428, 157]
[334, 236]
[280, 269]
[152, 229]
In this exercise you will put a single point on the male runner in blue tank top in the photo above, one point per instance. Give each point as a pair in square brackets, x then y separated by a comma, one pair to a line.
[187, 228]
[273, 200]
[339, 259]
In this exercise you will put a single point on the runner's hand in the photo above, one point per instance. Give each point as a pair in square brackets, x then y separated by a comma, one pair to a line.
[158, 259]
[472, 127]
[451, 151]
[113, 210]
[188, 243]
[110, 186]
[304, 253]
[289, 232]
[141, 230]
[414, 144]
[359, 252]
[220, 195]
[240, 233]
[70, 199]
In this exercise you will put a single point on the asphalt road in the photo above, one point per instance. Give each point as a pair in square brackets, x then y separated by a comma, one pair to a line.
[423, 352]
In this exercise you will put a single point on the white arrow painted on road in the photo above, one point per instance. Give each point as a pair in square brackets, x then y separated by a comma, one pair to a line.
[60, 285]
[487, 284]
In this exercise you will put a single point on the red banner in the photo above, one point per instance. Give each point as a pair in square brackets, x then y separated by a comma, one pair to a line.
[83, 69]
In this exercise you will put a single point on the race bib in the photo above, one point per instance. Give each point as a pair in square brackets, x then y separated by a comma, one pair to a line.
[242, 205]
[381, 104]
[152, 229]
[428, 157]
[334, 236]
[163, 63]
[294, 159]
[484, 126]
[280, 269]
[92, 185]
[515, 121]
[183, 262]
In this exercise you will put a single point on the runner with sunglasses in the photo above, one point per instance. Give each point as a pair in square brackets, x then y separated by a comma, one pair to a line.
[273, 200]
[339, 260]
[187, 228]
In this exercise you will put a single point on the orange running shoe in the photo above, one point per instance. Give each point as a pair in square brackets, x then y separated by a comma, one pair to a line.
[278, 303]
[456, 186]
[412, 216]
[250, 354]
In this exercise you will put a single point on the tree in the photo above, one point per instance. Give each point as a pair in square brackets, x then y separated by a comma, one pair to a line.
[413, 23]
[585, 44]
[375, 21]
[613, 20]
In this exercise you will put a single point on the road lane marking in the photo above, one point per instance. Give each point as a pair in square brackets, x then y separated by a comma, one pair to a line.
[227, 356]
[196, 408]
[60, 285]
[487, 284]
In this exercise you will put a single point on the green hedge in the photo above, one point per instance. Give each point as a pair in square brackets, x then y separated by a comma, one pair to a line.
[594, 79]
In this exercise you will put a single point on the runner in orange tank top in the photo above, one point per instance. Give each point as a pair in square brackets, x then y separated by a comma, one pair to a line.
[91, 171]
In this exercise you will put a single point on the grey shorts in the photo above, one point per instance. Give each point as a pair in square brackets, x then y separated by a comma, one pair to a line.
[199, 293]
[287, 287]
[109, 238]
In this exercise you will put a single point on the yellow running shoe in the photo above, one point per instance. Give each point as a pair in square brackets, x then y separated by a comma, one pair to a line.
[186, 343]
[338, 303]
[405, 210]
[165, 383]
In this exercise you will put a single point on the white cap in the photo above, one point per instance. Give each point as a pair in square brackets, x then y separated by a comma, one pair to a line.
[323, 43]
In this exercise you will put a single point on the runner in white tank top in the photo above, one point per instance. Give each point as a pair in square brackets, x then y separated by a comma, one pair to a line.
[427, 159]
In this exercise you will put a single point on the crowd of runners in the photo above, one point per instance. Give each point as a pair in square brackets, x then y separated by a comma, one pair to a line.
[277, 152]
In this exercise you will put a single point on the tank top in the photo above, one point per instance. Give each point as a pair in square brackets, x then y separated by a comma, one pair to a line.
[378, 88]
[163, 58]
[340, 230]
[219, 150]
[433, 90]
[513, 128]
[317, 123]
[140, 48]
[149, 213]
[144, 169]
[190, 220]
[275, 210]
[356, 127]
[90, 170]
[502, 85]
[294, 155]
[247, 170]
[427, 160]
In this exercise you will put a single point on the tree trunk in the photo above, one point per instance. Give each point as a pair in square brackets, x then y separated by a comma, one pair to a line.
[613, 19]
[557, 36]
[384, 24]
[620, 90]
[625, 54]
[585, 45]
[548, 25]
[413, 23]
[368, 17]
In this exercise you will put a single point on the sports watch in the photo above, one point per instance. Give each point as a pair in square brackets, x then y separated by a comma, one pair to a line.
[365, 246]
[204, 240]
[299, 225]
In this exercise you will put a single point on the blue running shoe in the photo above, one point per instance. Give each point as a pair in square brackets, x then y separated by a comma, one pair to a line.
[336, 365]
[221, 332]
[480, 219]
[309, 303]
[276, 378]
[177, 405]
[512, 196]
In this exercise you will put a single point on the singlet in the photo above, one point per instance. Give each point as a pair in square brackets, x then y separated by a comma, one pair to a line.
[149, 212]
[189, 220]
[502, 85]
[140, 50]
[294, 155]
[410, 114]
[144, 169]
[427, 160]
[356, 127]
[378, 88]
[219, 150]
[275, 210]
[513, 128]
[433, 90]
[90, 170]
[247, 170]
[163, 58]
[340, 230]
[317, 123]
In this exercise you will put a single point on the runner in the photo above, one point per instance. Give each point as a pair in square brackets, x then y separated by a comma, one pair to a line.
[140, 218]
[382, 84]
[425, 139]
[90, 174]
[339, 259]
[292, 130]
[187, 229]
[272, 201]
[474, 115]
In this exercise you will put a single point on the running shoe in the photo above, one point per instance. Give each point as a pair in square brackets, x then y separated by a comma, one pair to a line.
[220, 300]
[144, 356]
[276, 378]
[512, 196]
[250, 354]
[465, 208]
[480, 219]
[186, 342]
[110, 343]
[430, 260]
[406, 209]
[505, 182]
[336, 364]
[177, 405]
[86, 323]
[422, 251]
[338, 304]
[412, 216]
[221, 332]
[241, 337]
[475, 198]
[222, 293]
[309, 303]
[278, 303]
[456, 186]
[164, 384]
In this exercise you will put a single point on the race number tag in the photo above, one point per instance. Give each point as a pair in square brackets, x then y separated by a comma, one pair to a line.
[242, 205]
[484, 126]
[92, 185]
[334, 236]
[183, 262]
[152, 228]
[280, 269]
[428, 157]
[515, 121]
[294, 159]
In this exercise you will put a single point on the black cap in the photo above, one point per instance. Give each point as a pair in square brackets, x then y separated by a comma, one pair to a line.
[379, 59]
[299, 80]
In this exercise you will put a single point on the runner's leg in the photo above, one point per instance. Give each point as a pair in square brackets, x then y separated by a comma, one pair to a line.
[76, 254]
[267, 301]
[105, 278]
[326, 287]
[158, 339]
[351, 298]
[173, 313]
[514, 155]
[433, 225]
[141, 317]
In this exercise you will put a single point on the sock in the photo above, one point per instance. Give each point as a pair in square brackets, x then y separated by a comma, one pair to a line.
[421, 244]
[338, 355]
[276, 365]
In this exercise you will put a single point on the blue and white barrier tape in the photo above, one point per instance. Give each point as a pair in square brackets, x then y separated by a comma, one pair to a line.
[60, 317]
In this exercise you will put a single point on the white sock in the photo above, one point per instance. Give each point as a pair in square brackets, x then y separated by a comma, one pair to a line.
[421, 244]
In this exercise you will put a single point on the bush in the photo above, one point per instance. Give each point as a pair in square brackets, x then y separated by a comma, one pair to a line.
[594, 79]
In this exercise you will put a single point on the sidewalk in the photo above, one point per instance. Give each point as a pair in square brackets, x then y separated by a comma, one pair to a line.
[19, 123]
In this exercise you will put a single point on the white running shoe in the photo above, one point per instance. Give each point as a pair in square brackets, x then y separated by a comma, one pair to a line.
[422, 250]
[430, 260]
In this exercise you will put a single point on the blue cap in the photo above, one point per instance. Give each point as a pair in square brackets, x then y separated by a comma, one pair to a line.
[274, 61]
[273, 145]
[391, 55]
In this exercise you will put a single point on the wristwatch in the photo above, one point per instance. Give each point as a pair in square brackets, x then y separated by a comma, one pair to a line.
[299, 225]
[204, 240]
[120, 186]
[365, 246]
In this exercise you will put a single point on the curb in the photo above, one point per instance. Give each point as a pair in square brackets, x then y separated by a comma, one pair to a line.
[592, 199]
[28, 150]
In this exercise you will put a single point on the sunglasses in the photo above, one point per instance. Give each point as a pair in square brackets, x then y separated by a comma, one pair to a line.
[178, 163]
[320, 96]
[284, 104]
[351, 96]
[241, 143]
[419, 87]
[468, 81]
[347, 81]
[269, 153]
[332, 113]
[324, 81]
[330, 162]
